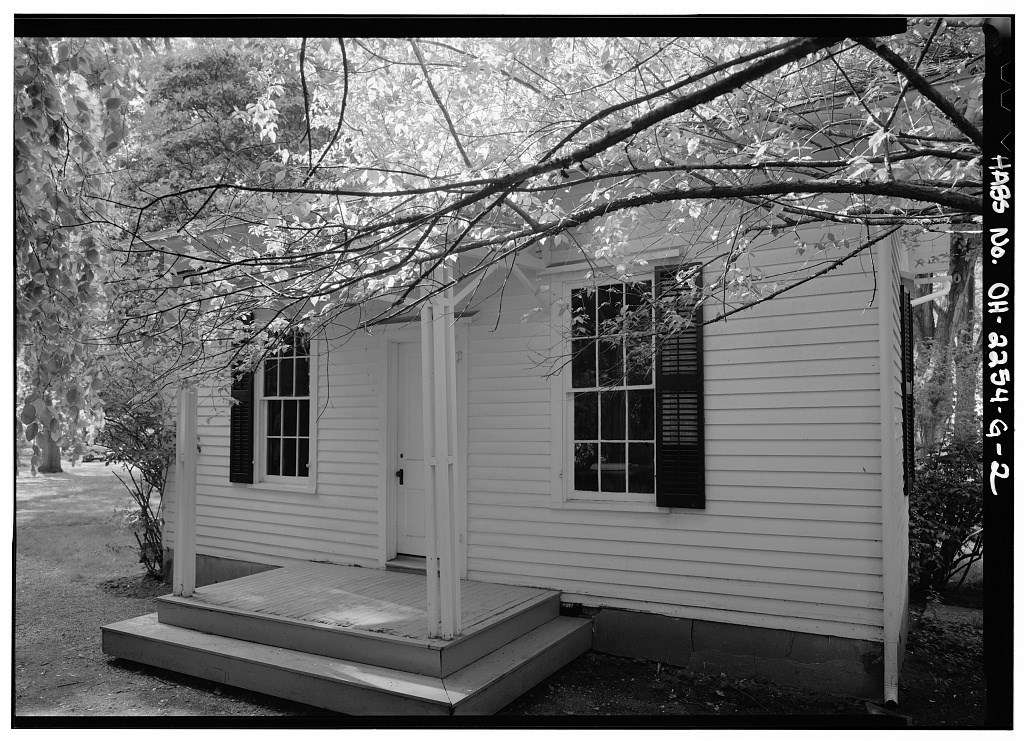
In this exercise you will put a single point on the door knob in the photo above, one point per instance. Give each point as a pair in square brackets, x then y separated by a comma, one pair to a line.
[400, 473]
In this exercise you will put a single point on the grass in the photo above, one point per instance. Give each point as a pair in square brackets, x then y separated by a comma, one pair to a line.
[77, 509]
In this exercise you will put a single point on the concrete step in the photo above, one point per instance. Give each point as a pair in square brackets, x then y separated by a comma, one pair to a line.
[435, 658]
[345, 686]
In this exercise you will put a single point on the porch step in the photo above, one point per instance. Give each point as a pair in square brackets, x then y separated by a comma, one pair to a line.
[407, 564]
[435, 658]
[483, 687]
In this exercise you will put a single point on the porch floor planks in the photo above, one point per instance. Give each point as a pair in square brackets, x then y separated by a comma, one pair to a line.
[253, 593]
[283, 594]
[365, 599]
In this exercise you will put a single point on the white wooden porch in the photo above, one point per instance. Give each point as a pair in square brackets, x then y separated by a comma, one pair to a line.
[354, 640]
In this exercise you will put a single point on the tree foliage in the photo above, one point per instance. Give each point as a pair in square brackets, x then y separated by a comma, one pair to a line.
[349, 170]
[69, 101]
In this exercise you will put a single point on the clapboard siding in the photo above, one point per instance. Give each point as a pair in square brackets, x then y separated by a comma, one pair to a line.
[761, 557]
[778, 600]
[777, 431]
[788, 514]
[337, 522]
[751, 368]
[529, 508]
[606, 533]
[796, 479]
[793, 522]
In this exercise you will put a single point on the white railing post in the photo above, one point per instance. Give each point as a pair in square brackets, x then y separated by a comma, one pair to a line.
[185, 495]
[429, 469]
[444, 602]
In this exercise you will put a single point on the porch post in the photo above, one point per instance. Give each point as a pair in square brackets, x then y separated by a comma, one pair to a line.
[444, 611]
[185, 495]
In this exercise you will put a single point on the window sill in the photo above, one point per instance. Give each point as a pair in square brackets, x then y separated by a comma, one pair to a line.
[309, 488]
[608, 506]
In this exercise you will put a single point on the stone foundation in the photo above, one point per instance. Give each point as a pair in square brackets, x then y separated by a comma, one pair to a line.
[842, 666]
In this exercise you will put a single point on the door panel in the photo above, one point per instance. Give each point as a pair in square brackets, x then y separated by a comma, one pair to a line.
[410, 488]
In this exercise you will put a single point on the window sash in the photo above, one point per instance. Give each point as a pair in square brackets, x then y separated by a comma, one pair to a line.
[277, 450]
[624, 448]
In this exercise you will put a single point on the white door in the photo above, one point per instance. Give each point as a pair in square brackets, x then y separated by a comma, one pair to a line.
[410, 485]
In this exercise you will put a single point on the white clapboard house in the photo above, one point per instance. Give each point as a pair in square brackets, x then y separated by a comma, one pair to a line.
[432, 515]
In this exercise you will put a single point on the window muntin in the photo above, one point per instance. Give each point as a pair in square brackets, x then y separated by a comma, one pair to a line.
[612, 396]
[284, 409]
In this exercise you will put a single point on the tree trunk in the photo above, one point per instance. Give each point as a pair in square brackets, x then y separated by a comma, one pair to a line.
[941, 328]
[964, 252]
[50, 456]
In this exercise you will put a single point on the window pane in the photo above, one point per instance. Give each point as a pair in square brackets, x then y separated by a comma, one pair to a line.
[270, 378]
[274, 417]
[273, 456]
[638, 294]
[304, 418]
[613, 415]
[583, 315]
[584, 373]
[641, 467]
[639, 358]
[285, 371]
[609, 355]
[303, 457]
[290, 418]
[302, 376]
[585, 473]
[641, 415]
[613, 467]
[301, 343]
[585, 416]
[288, 457]
[609, 303]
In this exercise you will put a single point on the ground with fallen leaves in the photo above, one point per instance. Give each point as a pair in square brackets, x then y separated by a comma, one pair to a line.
[75, 571]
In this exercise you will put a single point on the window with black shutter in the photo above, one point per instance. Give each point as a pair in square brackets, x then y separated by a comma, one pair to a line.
[679, 379]
[241, 428]
[907, 329]
[270, 425]
[636, 422]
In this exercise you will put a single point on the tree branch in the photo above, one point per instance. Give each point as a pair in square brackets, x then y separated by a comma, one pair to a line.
[829, 268]
[440, 104]
[663, 91]
[341, 115]
[305, 103]
[925, 88]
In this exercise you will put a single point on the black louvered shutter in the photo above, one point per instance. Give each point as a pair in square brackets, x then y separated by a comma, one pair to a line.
[679, 383]
[241, 467]
[907, 330]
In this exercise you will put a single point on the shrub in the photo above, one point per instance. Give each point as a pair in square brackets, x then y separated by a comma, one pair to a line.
[140, 436]
[946, 515]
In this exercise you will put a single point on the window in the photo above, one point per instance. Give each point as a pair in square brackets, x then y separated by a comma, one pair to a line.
[613, 390]
[272, 435]
[284, 406]
[636, 412]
